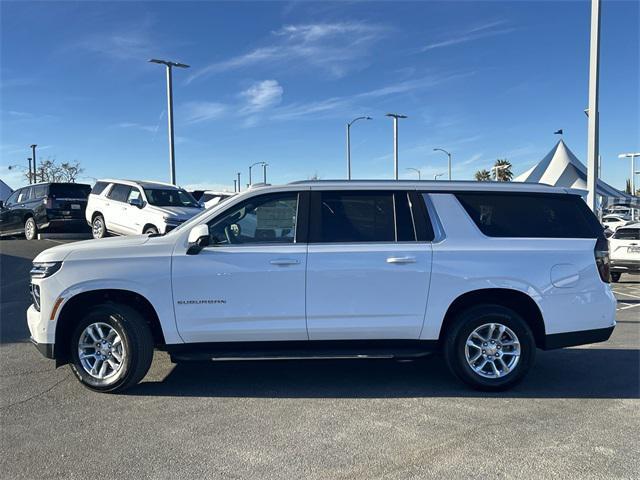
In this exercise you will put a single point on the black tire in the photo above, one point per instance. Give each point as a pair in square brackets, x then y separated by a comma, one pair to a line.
[462, 327]
[137, 342]
[150, 231]
[30, 229]
[98, 227]
[615, 277]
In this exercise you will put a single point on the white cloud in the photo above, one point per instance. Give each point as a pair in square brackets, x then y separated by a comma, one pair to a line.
[137, 126]
[475, 33]
[262, 95]
[196, 112]
[334, 48]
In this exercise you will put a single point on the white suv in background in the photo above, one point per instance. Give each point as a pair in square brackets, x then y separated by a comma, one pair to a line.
[127, 207]
[480, 273]
[624, 248]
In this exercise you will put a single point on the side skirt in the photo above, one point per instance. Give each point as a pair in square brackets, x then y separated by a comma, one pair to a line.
[313, 349]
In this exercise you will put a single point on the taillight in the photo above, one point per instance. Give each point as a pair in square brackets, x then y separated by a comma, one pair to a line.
[48, 202]
[601, 252]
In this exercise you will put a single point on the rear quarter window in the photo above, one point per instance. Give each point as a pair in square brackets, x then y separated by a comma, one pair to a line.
[531, 215]
[99, 187]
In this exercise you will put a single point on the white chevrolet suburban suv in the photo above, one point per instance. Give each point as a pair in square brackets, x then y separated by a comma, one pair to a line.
[128, 207]
[483, 273]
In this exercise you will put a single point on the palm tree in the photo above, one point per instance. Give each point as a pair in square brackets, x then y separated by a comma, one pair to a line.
[503, 172]
[483, 175]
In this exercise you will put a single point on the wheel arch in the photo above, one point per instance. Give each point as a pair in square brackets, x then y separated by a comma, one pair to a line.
[72, 308]
[95, 214]
[149, 224]
[516, 300]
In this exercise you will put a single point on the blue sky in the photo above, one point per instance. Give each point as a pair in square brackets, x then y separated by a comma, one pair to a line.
[277, 81]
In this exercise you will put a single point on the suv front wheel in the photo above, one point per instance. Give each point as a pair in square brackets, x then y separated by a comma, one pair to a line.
[111, 348]
[490, 347]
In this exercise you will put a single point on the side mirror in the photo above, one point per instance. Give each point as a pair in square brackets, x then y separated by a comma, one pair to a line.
[198, 239]
[136, 202]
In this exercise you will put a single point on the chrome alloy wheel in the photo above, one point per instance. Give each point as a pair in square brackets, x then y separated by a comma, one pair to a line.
[30, 228]
[101, 351]
[492, 350]
[98, 228]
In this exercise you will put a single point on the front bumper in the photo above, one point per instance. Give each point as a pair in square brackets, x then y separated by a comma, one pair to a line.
[46, 349]
[625, 266]
[571, 339]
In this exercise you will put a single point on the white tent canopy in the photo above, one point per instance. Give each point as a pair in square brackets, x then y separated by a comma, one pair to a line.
[561, 168]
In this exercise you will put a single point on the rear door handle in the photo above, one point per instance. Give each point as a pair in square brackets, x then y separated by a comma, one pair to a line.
[401, 260]
[284, 261]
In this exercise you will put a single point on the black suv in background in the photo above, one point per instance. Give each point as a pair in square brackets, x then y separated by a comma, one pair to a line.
[45, 206]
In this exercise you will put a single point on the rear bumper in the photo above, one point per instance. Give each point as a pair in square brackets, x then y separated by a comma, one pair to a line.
[46, 349]
[571, 339]
[624, 266]
[69, 225]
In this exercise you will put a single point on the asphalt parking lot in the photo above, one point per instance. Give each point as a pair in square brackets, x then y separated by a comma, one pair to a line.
[577, 415]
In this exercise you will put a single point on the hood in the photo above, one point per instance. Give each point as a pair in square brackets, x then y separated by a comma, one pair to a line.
[180, 213]
[59, 253]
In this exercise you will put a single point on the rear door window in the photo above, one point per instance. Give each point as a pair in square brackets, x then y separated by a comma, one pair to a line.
[119, 192]
[531, 215]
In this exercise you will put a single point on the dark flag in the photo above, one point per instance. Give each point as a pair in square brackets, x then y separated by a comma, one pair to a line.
[558, 132]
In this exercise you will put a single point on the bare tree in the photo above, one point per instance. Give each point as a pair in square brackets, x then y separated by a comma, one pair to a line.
[50, 171]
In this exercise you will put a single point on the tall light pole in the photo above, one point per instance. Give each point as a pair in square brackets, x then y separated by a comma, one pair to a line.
[172, 153]
[395, 117]
[417, 171]
[30, 174]
[239, 184]
[349, 143]
[448, 155]
[632, 156]
[592, 133]
[264, 172]
[435, 177]
[250, 167]
[33, 156]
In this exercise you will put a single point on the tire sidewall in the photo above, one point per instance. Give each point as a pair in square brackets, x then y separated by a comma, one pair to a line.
[472, 319]
[34, 230]
[150, 231]
[116, 320]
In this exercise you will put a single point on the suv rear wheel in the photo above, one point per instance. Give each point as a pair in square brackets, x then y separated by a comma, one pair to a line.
[98, 228]
[490, 347]
[111, 348]
[30, 229]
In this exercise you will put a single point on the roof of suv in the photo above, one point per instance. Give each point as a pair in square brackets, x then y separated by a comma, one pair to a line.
[139, 183]
[440, 185]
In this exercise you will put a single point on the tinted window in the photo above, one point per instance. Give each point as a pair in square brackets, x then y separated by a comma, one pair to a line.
[353, 217]
[627, 234]
[119, 192]
[69, 190]
[404, 221]
[40, 191]
[24, 195]
[13, 198]
[531, 215]
[99, 187]
[264, 219]
[162, 197]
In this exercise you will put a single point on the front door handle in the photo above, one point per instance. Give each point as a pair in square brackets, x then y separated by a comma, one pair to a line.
[401, 260]
[284, 261]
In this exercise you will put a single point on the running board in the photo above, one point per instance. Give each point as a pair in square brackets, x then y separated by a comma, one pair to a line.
[301, 350]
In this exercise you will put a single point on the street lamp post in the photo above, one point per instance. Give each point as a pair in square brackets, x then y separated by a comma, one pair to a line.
[264, 172]
[395, 117]
[349, 143]
[435, 177]
[239, 184]
[448, 155]
[172, 153]
[33, 156]
[235, 185]
[417, 171]
[30, 174]
[250, 167]
[632, 156]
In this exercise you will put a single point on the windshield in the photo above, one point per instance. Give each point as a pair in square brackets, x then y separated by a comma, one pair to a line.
[161, 197]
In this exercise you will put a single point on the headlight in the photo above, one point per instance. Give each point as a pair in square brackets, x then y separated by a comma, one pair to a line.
[171, 220]
[44, 269]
